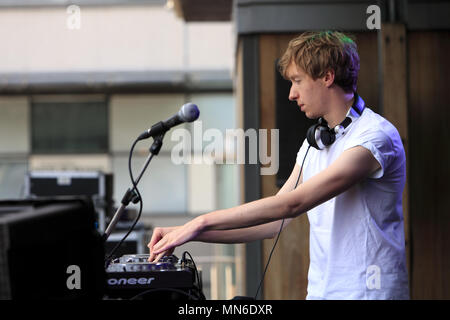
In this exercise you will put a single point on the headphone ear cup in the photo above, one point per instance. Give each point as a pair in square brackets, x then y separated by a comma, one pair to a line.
[327, 137]
[311, 136]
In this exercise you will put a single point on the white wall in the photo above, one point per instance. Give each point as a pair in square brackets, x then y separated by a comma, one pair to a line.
[110, 38]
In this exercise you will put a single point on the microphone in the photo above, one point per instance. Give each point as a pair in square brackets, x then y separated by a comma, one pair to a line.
[188, 113]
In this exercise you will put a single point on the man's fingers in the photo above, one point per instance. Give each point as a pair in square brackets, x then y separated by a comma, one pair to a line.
[160, 250]
[154, 240]
[156, 237]
[157, 250]
[156, 257]
[160, 246]
[151, 257]
[153, 245]
[159, 256]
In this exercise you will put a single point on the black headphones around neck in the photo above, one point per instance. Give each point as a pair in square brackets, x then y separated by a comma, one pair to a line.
[321, 136]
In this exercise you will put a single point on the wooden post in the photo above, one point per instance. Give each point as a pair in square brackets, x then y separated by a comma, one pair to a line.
[395, 101]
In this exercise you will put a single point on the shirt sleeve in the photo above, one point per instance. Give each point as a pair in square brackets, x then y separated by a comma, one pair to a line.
[379, 144]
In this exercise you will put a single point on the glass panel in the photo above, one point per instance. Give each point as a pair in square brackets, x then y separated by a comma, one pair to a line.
[12, 178]
[163, 185]
[216, 112]
[227, 186]
[14, 125]
[78, 127]
[130, 115]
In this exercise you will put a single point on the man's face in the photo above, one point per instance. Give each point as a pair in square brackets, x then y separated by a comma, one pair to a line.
[308, 93]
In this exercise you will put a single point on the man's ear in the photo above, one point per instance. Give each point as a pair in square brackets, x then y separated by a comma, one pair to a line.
[328, 78]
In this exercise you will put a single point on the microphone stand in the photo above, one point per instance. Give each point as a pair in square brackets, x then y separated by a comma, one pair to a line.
[131, 194]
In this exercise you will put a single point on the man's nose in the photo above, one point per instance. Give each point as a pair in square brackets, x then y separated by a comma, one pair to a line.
[292, 95]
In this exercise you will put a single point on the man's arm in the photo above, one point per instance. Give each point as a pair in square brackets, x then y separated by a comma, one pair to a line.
[265, 231]
[352, 166]
[259, 232]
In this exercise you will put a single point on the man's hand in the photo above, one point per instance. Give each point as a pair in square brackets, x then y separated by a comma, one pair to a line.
[165, 240]
[158, 234]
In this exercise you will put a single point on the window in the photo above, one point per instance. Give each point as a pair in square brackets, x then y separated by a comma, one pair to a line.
[69, 126]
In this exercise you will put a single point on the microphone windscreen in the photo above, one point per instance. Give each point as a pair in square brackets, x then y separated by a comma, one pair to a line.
[189, 112]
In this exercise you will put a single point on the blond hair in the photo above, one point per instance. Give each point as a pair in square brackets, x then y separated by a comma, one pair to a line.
[318, 52]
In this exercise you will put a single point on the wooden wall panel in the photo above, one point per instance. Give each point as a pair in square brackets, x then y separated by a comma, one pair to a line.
[395, 104]
[368, 80]
[287, 272]
[429, 113]
[240, 268]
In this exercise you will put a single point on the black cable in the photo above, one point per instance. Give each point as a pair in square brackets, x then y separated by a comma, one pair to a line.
[183, 258]
[130, 155]
[200, 284]
[281, 228]
[164, 289]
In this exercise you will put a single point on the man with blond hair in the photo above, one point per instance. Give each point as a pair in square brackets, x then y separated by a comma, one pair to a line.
[349, 178]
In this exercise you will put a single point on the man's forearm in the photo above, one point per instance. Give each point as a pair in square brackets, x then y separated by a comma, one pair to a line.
[353, 166]
[260, 232]
[252, 214]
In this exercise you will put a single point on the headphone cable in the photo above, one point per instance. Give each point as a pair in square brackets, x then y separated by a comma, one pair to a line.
[281, 229]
